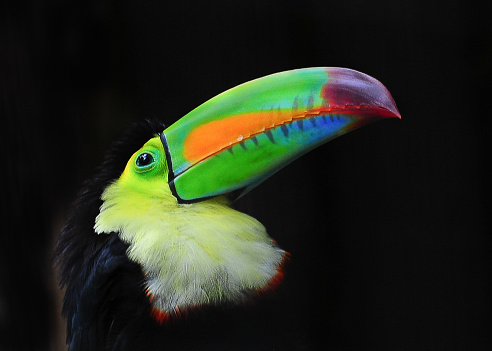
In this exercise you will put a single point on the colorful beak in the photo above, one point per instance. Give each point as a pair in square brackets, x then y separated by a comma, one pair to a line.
[237, 139]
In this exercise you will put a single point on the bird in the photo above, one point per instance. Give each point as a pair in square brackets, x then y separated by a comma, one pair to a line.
[153, 254]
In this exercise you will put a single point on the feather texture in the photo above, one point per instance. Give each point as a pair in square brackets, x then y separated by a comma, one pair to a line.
[204, 253]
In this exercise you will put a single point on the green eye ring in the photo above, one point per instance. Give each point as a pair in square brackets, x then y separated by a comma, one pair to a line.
[145, 162]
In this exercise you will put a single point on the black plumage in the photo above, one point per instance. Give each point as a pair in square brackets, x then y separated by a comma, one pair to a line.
[101, 282]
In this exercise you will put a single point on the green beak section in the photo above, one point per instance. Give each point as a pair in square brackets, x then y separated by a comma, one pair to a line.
[237, 139]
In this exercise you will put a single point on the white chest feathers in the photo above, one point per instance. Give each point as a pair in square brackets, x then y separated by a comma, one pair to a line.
[192, 255]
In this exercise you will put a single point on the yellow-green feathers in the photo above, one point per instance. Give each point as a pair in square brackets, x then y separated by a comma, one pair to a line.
[191, 254]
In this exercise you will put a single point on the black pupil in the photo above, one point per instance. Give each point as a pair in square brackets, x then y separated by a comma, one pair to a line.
[144, 160]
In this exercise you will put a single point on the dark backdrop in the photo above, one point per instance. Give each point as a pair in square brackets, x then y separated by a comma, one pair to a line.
[387, 226]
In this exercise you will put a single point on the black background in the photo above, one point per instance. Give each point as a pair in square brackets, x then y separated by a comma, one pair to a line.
[387, 227]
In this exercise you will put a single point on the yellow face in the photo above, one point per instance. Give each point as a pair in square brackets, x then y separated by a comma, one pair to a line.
[146, 171]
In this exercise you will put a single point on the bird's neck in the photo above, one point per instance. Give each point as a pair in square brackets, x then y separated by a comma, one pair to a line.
[194, 254]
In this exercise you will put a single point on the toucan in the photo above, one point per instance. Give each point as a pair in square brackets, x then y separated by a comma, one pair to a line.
[154, 257]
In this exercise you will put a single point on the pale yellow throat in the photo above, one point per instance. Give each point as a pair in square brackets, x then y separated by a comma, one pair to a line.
[191, 254]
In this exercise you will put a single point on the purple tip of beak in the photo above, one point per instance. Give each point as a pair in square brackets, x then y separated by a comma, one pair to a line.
[347, 88]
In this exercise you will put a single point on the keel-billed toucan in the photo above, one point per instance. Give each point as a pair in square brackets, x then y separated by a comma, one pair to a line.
[152, 255]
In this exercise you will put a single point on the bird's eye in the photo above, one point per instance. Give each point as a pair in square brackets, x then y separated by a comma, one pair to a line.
[144, 161]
